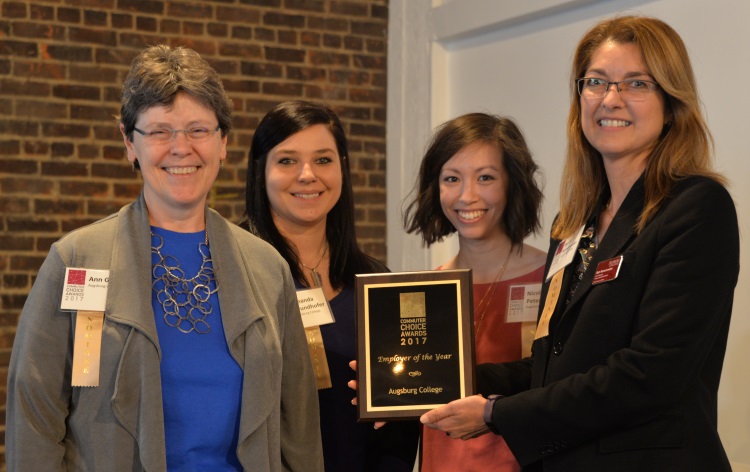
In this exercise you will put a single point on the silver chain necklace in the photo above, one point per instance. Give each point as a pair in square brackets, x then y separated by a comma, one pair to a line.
[185, 301]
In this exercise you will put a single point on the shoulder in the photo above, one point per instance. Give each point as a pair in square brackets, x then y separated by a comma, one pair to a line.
[699, 198]
[90, 237]
[262, 253]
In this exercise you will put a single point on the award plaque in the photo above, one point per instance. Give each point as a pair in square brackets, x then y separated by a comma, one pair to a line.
[414, 342]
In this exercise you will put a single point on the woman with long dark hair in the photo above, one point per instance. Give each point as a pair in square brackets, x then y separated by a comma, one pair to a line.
[299, 198]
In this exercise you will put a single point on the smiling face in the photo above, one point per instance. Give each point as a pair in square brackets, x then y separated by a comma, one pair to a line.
[622, 130]
[473, 185]
[177, 174]
[303, 179]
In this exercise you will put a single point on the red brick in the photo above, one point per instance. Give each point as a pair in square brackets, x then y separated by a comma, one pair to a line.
[31, 263]
[285, 89]
[142, 6]
[65, 130]
[68, 15]
[332, 41]
[16, 243]
[249, 16]
[265, 34]
[287, 37]
[13, 301]
[245, 86]
[262, 3]
[325, 93]
[58, 207]
[242, 32]
[349, 8]
[62, 149]
[122, 20]
[13, 10]
[329, 58]
[83, 92]
[284, 54]
[70, 53]
[101, 113]
[111, 170]
[10, 147]
[169, 26]
[350, 77]
[14, 206]
[308, 5]
[41, 12]
[17, 280]
[96, 36]
[57, 169]
[306, 73]
[367, 28]
[308, 38]
[244, 51]
[38, 30]
[328, 24]
[192, 28]
[32, 224]
[219, 30]
[18, 48]
[93, 74]
[274, 18]
[353, 43]
[17, 166]
[189, 10]
[146, 23]
[41, 110]
[84, 188]
[94, 18]
[35, 147]
[261, 69]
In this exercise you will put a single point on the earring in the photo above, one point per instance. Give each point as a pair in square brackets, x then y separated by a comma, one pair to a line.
[132, 167]
[221, 163]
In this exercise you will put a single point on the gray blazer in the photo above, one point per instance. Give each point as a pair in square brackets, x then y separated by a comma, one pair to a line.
[119, 426]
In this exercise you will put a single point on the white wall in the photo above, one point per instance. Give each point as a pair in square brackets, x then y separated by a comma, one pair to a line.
[512, 58]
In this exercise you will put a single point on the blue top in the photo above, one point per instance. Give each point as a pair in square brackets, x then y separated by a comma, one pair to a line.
[349, 446]
[201, 382]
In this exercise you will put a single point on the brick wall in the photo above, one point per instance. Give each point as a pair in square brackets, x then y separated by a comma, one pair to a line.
[62, 161]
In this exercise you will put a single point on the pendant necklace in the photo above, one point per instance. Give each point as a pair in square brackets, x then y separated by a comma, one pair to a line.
[316, 279]
[490, 293]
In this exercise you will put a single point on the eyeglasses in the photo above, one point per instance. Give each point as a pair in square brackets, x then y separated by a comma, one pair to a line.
[163, 135]
[634, 90]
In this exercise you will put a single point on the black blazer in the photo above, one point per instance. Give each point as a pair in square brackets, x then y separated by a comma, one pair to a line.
[627, 378]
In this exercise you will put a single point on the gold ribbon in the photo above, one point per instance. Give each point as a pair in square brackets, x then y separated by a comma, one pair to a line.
[553, 294]
[318, 357]
[87, 348]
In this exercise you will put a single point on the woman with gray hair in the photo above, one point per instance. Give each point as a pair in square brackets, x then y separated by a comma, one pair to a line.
[164, 337]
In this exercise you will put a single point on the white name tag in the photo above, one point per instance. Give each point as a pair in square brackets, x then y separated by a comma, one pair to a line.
[523, 303]
[314, 307]
[565, 253]
[84, 289]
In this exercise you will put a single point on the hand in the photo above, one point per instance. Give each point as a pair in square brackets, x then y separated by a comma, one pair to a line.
[353, 385]
[460, 419]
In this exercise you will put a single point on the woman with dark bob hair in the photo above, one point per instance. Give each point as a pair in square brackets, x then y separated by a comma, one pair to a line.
[640, 278]
[299, 198]
[478, 179]
[189, 357]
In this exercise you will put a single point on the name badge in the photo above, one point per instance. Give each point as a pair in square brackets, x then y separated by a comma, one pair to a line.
[314, 307]
[565, 253]
[523, 303]
[607, 270]
[84, 289]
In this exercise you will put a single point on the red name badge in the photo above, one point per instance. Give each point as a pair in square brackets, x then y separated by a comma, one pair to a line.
[607, 270]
